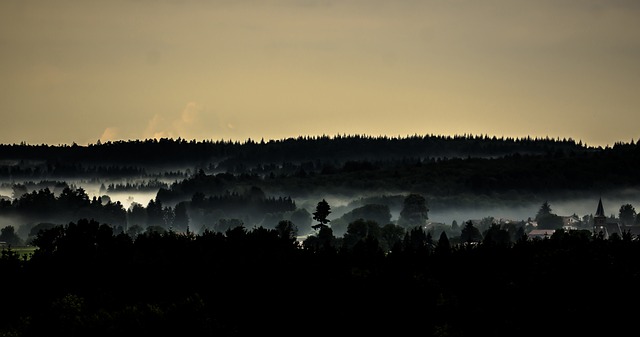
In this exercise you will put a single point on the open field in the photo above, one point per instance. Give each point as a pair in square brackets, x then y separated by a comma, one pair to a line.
[21, 250]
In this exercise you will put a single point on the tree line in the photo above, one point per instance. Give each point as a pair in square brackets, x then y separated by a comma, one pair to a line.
[302, 148]
[465, 169]
[86, 279]
[513, 178]
[249, 207]
[43, 208]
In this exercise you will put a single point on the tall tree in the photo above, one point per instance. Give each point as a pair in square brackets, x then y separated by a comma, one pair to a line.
[470, 233]
[547, 219]
[443, 246]
[8, 235]
[154, 213]
[414, 211]
[287, 230]
[390, 235]
[496, 236]
[136, 215]
[544, 210]
[322, 212]
[181, 217]
[417, 240]
[455, 226]
[627, 214]
[359, 230]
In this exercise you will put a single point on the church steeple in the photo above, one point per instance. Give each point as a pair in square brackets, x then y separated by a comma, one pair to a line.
[600, 220]
[600, 210]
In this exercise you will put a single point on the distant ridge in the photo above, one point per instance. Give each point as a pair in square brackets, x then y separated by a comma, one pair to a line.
[451, 170]
[250, 140]
[302, 148]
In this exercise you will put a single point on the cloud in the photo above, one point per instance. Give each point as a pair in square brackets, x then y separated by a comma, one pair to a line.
[155, 128]
[109, 134]
[188, 117]
[185, 125]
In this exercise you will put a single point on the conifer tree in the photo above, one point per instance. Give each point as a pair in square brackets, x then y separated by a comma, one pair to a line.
[322, 212]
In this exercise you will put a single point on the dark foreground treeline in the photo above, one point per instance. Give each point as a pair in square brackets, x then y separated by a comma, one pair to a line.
[84, 280]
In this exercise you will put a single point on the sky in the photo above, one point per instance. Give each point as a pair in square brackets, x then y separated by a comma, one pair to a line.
[86, 70]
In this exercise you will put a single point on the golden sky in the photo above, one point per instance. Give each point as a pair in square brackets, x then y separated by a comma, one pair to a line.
[83, 70]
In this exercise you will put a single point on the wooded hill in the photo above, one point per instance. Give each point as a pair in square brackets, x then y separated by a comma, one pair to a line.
[451, 170]
[295, 150]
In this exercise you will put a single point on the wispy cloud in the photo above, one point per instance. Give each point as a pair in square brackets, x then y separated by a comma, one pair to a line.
[185, 125]
[109, 134]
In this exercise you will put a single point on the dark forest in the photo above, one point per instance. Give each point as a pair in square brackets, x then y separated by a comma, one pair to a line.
[316, 236]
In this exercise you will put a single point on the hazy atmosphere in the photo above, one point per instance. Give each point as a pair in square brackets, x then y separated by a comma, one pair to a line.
[79, 71]
[319, 168]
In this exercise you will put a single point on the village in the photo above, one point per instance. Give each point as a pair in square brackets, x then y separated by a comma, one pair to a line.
[546, 223]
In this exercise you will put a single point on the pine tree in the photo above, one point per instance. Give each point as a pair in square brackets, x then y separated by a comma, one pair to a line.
[322, 212]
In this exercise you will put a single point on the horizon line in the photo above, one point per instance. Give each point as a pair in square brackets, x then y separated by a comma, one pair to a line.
[247, 140]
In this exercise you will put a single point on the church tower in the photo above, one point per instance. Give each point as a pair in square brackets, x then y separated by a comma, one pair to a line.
[600, 220]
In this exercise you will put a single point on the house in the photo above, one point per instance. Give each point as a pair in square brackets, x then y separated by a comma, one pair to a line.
[540, 233]
[571, 222]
